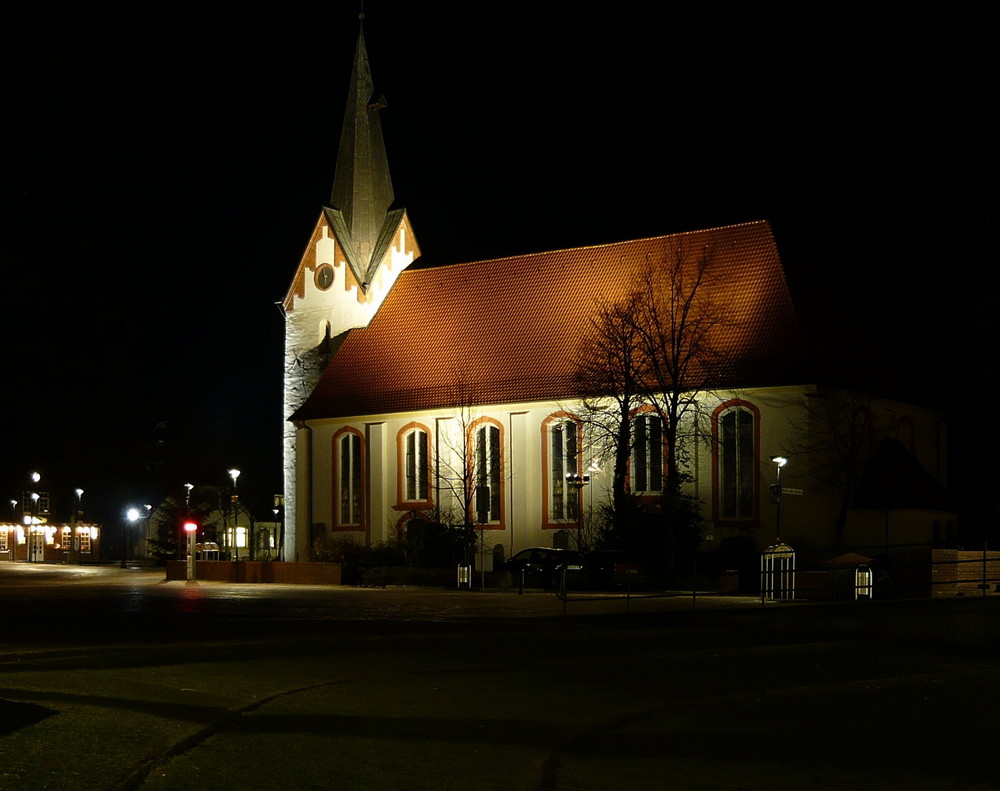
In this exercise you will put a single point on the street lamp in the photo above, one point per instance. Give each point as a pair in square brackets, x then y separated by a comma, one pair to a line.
[234, 474]
[578, 482]
[133, 515]
[276, 535]
[13, 537]
[75, 538]
[779, 462]
[191, 528]
[31, 521]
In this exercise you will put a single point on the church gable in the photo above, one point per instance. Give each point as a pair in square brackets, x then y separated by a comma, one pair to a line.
[324, 267]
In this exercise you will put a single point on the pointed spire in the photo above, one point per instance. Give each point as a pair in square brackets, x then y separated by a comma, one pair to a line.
[362, 195]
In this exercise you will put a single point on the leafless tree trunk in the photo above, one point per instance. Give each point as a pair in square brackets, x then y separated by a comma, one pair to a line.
[608, 371]
[676, 323]
[838, 441]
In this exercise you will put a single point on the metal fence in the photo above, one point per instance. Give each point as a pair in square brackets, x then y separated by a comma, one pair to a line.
[896, 571]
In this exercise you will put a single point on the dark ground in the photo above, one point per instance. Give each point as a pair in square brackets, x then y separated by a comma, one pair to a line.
[159, 686]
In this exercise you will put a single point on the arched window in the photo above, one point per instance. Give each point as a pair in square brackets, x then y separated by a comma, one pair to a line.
[349, 478]
[487, 461]
[562, 443]
[647, 453]
[735, 451]
[414, 464]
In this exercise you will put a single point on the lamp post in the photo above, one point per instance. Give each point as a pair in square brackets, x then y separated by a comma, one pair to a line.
[133, 515]
[32, 522]
[279, 513]
[578, 482]
[191, 528]
[234, 474]
[275, 535]
[75, 539]
[779, 462]
[12, 546]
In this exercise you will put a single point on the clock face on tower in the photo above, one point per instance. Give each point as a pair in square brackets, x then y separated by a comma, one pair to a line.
[324, 276]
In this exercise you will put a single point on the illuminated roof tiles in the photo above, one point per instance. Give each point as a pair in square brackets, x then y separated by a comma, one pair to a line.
[506, 330]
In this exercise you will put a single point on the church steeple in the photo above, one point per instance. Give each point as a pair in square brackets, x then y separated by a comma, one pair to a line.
[360, 211]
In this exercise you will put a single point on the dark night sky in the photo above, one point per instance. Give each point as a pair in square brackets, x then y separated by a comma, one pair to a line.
[163, 169]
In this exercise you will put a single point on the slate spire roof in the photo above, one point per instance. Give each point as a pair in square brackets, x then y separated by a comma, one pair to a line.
[507, 330]
[360, 211]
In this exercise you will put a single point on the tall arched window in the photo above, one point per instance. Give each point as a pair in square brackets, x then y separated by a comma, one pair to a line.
[562, 438]
[487, 473]
[415, 451]
[735, 451]
[647, 453]
[349, 478]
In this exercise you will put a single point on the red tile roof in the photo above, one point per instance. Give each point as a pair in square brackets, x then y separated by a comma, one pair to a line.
[509, 328]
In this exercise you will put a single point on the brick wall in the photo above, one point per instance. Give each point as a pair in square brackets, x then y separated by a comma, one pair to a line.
[960, 571]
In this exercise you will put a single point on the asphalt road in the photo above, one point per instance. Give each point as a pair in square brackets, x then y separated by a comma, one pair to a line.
[113, 679]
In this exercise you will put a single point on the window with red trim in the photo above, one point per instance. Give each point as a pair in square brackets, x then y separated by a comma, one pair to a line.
[349, 479]
[564, 450]
[416, 465]
[488, 475]
[737, 459]
[647, 454]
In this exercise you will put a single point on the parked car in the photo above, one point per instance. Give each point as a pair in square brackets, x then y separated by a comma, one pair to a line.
[543, 566]
[614, 568]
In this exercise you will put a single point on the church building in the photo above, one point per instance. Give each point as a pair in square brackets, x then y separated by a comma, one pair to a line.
[454, 393]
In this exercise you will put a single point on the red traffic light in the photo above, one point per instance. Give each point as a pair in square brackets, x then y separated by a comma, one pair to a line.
[190, 527]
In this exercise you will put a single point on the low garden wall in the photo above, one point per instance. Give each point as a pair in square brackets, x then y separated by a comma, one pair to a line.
[279, 572]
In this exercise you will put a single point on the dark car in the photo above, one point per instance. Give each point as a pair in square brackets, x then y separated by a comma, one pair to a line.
[613, 568]
[542, 567]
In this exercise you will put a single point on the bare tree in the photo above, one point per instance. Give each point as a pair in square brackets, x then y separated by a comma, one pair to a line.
[837, 438]
[655, 347]
[676, 321]
[457, 468]
[608, 373]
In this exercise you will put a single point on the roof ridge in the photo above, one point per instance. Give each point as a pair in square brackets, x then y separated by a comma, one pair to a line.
[622, 242]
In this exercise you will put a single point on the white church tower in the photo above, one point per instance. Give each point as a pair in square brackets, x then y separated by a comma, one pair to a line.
[359, 245]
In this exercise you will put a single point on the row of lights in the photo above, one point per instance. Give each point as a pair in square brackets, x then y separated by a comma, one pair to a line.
[33, 517]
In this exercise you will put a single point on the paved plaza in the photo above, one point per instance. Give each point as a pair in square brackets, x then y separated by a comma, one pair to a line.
[114, 679]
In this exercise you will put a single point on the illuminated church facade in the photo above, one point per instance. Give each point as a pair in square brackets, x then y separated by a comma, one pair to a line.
[404, 383]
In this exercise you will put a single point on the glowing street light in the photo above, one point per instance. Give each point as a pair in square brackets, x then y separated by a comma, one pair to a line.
[234, 474]
[31, 521]
[578, 482]
[779, 462]
[74, 546]
[132, 515]
[191, 528]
